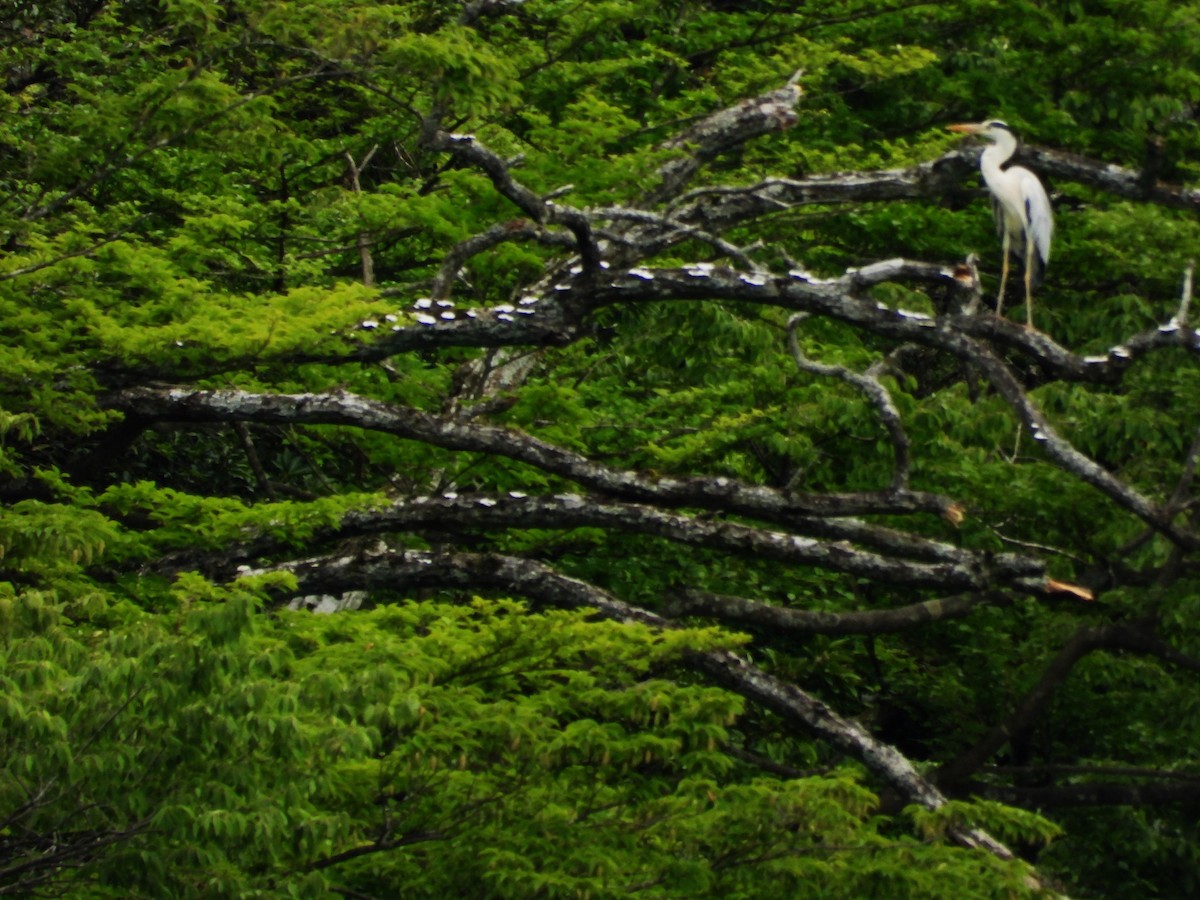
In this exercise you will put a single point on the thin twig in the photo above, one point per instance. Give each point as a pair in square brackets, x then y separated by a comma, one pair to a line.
[364, 241]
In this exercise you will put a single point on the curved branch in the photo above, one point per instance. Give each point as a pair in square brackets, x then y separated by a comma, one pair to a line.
[954, 334]
[872, 389]
[404, 570]
[340, 408]
[538, 208]
[1068, 458]
[936, 565]
[646, 232]
[503, 233]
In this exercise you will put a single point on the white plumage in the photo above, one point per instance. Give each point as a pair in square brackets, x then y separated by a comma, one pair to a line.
[1024, 219]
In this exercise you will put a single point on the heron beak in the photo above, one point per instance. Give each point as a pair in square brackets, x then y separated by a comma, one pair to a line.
[965, 128]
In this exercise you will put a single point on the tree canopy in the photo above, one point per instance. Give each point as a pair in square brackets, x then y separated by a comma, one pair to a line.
[516, 448]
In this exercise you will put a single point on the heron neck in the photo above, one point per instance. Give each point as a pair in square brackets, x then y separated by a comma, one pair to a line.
[992, 160]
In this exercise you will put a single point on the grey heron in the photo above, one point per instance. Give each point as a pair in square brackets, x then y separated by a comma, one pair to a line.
[1023, 216]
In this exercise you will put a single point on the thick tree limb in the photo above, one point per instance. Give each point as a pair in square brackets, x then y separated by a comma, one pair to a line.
[929, 563]
[723, 130]
[515, 510]
[1129, 184]
[340, 408]
[719, 208]
[784, 619]
[844, 298]
[557, 313]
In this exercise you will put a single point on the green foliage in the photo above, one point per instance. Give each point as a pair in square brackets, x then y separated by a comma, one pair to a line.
[179, 207]
[1005, 822]
[450, 746]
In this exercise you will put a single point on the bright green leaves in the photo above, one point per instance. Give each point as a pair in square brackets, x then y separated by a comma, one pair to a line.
[1005, 822]
[591, 126]
[35, 536]
[202, 15]
[183, 326]
[271, 741]
[462, 67]
[439, 59]
[606, 778]
[140, 717]
[185, 520]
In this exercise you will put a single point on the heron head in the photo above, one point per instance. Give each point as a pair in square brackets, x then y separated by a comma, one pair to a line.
[991, 130]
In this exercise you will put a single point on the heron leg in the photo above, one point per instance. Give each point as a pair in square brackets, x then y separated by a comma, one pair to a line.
[1003, 274]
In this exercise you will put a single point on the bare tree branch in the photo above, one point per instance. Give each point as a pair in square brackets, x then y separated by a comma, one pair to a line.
[930, 564]
[1129, 184]
[516, 230]
[340, 408]
[363, 239]
[540, 209]
[786, 620]
[724, 129]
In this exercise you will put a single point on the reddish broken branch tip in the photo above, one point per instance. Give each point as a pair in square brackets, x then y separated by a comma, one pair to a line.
[1063, 587]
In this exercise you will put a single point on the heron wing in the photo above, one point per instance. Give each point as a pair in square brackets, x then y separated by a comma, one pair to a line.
[1037, 217]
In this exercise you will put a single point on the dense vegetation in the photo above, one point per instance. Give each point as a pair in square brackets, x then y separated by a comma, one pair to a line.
[560, 449]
